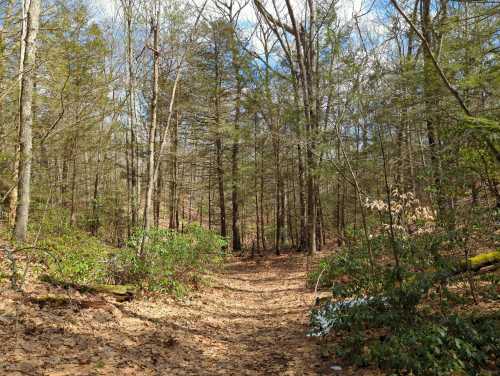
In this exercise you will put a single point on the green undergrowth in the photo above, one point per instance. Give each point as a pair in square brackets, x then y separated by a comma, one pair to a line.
[171, 261]
[411, 319]
[76, 257]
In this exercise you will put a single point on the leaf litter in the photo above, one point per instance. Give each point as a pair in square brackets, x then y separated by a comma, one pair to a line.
[251, 319]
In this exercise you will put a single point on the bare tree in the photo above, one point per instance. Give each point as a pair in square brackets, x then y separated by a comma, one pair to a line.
[231, 10]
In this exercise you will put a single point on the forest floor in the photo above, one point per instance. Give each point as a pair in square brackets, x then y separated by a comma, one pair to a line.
[251, 319]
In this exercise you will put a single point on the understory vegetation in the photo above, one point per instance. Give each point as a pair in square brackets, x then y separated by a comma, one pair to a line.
[402, 302]
[171, 261]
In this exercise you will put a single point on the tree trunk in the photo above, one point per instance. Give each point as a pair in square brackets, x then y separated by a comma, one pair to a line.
[430, 97]
[26, 121]
[220, 182]
[72, 215]
[278, 189]
[219, 151]
[235, 156]
[134, 164]
[210, 196]
[152, 127]
[15, 191]
[173, 175]
[262, 228]
[2, 78]
[302, 201]
[256, 243]
[95, 200]
[157, 195]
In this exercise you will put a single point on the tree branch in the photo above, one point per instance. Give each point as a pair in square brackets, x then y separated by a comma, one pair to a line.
[270, 18]
[445, 80]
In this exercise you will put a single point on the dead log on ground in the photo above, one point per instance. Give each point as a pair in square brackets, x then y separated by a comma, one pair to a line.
[120, 292]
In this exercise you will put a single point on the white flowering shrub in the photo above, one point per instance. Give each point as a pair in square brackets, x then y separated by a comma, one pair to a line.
[409, 216]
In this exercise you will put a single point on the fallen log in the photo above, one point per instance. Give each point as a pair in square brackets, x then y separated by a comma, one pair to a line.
[120, 292]
[476, 263]
[483, 263]
[61, 301]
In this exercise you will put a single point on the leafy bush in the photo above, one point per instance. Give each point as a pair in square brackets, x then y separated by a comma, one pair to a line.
[170, 260]
[388, 317]
[439, 347]
[76, 257]
[349, 265]
[429, 345]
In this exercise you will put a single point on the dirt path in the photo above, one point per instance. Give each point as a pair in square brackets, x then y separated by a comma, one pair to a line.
[251, 320]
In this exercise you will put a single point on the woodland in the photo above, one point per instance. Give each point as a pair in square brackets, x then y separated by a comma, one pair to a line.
[249, 187]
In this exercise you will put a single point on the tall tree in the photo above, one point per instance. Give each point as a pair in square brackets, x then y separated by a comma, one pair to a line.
[26, 118]
[303, 65]
[133, 158]
[155, 49]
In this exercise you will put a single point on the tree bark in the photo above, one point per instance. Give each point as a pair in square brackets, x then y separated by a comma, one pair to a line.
[15, 191]
[262, 228]
[157, 195]
[430, 97]
[256, 246]
[173, 176]
[153, 125]
[219, 151]
[278, 192]
[95, 199]
[220, 182]
[72, 215]
[26, 121]
[134, 163]
[235, 155]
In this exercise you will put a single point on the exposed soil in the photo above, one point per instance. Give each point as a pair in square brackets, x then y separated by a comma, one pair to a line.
[250, 320]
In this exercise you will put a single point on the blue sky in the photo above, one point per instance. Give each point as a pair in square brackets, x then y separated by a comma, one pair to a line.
[346, 7]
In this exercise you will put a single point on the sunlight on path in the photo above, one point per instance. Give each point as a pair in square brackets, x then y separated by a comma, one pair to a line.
[250, 320]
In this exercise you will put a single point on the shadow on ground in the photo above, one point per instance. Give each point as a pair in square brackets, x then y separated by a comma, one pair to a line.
[251, 320]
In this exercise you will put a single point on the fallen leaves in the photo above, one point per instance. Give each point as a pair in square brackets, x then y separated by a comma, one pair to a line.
[251, 320]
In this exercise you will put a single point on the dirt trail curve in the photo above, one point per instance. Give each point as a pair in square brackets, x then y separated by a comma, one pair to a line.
[251, 320]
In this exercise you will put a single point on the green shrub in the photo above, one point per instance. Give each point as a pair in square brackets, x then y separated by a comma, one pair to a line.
[75, 257]
[50, 222]
[440, 347]
[387, 318]
[351, 262]
[170, 260]
[429, 345]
